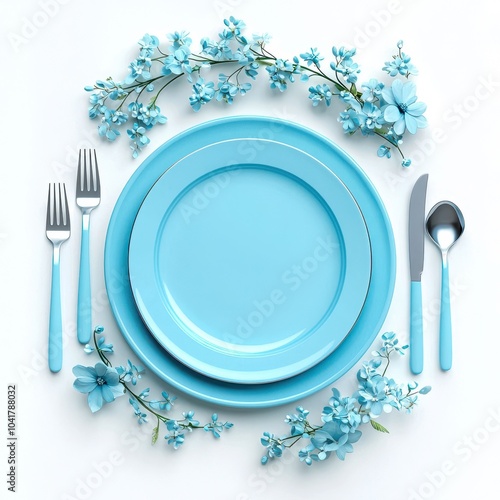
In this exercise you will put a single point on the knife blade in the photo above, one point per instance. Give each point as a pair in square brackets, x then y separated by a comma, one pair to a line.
[416, 232]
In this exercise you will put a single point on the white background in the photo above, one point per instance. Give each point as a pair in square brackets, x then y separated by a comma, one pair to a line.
[447, 449]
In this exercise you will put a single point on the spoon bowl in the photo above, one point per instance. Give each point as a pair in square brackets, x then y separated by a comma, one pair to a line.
[445, 224]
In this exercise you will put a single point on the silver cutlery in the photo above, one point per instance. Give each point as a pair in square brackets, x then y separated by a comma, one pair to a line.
[88, 197]
[416, 232]
[58, 230]
[445, 224]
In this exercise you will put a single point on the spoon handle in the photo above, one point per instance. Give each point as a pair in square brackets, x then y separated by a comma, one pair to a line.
[445, 341]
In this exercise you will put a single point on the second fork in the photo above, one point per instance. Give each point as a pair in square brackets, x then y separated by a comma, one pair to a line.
[88, 197]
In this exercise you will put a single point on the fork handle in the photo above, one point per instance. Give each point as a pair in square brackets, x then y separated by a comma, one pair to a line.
[84, 311]
[55, 318]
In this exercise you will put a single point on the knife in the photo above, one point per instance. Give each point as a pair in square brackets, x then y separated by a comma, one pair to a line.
[416, 231]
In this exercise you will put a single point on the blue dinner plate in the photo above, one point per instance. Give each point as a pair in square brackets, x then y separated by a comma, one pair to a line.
[249, 266]
[177, 374]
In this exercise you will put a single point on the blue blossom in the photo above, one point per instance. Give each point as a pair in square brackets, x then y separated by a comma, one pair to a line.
[138, 139]
[372, 395]
[179, 39]
[312, 57]
[189, 420]
[163, 404]
[281, 72]
[148, 45]
[216, 427]
[400, 64]
[149, 115]
[274, 446]
[141, 417]
[139, 68]
[203, 92]
[227, 90]
[349, 120]
[305, 454]
[235, 26]
[406, 162]
[175, 436]
[332, 439]
[177, 62]
[218, 50]
[370, 118]
[297, 421]
[402, 108]
[384, 151]
[372, 90]
[320, 93]
[343, 410]
[101, 383]
[344, 64]
[389, 343]
[130, 373]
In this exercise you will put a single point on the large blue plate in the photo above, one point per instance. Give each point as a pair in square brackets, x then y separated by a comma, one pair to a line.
[249, 270]
[257, 395]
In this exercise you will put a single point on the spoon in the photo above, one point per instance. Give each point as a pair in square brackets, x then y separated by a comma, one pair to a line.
[445, 224]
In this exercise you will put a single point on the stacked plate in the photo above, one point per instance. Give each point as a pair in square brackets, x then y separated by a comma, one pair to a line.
[249, 262]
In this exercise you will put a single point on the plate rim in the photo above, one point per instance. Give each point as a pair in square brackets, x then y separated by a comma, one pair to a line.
[267, 395]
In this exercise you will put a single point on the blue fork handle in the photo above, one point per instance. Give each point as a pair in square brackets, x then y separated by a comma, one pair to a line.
[55, 319]
[416, 328]
[84, 312]
[445, 342]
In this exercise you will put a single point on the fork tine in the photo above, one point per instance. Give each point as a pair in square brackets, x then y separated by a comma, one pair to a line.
[95, 182]
[66, 212]
[47, 221]
[85, 173]
[79, 173]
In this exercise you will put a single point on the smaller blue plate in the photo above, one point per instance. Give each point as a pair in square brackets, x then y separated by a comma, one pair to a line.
[249, 261]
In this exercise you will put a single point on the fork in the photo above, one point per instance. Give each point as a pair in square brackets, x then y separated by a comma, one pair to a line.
[88, 197]
[58, 230]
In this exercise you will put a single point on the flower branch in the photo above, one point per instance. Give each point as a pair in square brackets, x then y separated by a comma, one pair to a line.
[386, 112]
[103, 384]
[343, 416]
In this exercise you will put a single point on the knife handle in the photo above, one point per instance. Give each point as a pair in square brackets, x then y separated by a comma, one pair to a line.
[416, 329]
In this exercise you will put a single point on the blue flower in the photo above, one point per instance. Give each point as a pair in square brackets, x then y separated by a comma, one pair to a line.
[312, 57]
[138, 139]
[175, 436]
[344, 64]
[141, 417]
[402, 109]
[165, 404]
[139, 69]
[131, 373]
[179, 39]
[178, 62]
[101, 383]
[349, 120]
[235, 25]
[331, 438]
[273, 445]
[320, 93]
[372, 395]
[372, 90]
[342, 410]
[400, 64]
[370, 118]
[384, 151]
[282, 71]
[297, 421]
[203, 92]
[218, 50]
[189, 420]
[216, 427]
[148, 45]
